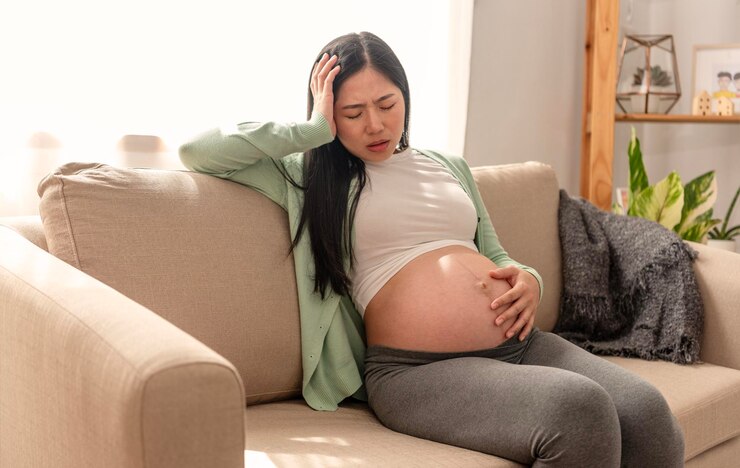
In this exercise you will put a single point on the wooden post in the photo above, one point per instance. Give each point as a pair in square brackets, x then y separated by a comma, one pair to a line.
[600, 81]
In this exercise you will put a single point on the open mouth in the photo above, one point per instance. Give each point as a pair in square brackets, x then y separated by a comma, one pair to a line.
[378, 145]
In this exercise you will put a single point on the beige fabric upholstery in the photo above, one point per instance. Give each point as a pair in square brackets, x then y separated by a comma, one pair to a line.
[723, 455]
[29, 227]
[704, 397]
[289, 433]
[194, 249]
[522, 201]
[89, 378]
[217, 279]
[718, 274]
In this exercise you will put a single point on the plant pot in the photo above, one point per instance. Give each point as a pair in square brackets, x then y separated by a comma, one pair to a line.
[728, 245]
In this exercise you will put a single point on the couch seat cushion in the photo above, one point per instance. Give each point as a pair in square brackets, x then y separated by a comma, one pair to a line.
[704, 397]
[289, 433]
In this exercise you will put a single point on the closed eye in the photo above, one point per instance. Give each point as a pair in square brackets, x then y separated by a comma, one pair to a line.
[381, 108]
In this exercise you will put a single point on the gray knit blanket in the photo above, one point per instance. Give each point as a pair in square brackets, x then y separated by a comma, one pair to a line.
[628, 286]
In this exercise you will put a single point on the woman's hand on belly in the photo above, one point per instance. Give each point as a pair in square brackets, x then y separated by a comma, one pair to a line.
[521, 300]
[440, 301]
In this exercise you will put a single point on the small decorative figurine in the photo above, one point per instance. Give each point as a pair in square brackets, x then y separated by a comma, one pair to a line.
[725, 106]
[702, 104]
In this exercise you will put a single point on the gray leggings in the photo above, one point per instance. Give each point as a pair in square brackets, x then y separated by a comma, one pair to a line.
[541, 402]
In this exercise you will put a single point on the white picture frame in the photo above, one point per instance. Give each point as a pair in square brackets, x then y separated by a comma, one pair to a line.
[709, 62]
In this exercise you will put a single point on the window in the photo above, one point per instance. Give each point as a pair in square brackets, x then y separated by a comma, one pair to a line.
[126, 82]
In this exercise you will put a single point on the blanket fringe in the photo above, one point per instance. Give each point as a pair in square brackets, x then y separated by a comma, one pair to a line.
[650, 308]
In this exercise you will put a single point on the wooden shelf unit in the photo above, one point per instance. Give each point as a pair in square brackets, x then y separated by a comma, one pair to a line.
[677, 118]
[599, 103]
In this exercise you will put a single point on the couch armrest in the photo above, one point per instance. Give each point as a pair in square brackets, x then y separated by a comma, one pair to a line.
[717, 272]
[29, 227]
[90, 378]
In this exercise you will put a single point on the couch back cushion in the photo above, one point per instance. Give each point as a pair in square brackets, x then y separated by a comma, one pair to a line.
[208, 255]
[522, 200]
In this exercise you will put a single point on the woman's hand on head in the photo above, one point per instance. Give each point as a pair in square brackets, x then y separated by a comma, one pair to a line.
[322, 81]
[520, 301]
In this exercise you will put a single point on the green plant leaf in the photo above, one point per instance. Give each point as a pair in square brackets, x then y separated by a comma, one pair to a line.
[729, 213]
[661, 202]
[638, 175]
[700, 227]
[732, 233]
[699, 196]
[720, 234]
[617, 209]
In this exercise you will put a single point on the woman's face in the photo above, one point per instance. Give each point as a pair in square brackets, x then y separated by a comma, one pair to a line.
[369, 111]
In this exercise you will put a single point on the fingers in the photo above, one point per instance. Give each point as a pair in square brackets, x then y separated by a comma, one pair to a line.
[330, 77]
[316, 68]
[508, 297]
[527, 329]
[323, 73]
[519, 302]
[506, 272]
[511, 312]
[322, 85]
[519, 324]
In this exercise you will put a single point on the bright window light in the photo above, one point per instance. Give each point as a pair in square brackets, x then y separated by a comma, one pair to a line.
[79, 75]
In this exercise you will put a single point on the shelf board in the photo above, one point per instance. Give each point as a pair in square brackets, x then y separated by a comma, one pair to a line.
[675, 118]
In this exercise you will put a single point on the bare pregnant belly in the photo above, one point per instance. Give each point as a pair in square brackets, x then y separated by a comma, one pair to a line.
[439, 302]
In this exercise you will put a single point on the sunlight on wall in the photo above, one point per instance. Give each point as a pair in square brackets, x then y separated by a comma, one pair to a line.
[88, 73]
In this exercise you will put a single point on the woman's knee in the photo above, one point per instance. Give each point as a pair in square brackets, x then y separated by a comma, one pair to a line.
[580, 399]
[584, 423]
[643, 405]
[651, 435]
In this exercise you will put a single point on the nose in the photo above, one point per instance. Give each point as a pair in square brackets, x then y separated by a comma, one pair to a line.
[374, 122]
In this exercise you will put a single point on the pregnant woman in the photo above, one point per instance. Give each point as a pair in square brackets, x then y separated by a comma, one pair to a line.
[407, 298]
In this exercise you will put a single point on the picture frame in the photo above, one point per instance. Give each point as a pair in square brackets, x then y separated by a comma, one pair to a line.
[711, 65]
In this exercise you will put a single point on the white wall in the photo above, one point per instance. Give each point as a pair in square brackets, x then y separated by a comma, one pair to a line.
[689, 149]
[526, 84]
[73, 85]
[525, 91]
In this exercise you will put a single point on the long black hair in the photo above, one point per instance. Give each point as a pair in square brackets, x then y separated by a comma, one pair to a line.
[329, 169]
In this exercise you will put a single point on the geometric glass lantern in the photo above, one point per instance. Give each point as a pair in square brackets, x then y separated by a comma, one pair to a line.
[647, 80]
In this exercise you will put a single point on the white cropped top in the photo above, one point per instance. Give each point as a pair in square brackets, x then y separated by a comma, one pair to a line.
[410, 205]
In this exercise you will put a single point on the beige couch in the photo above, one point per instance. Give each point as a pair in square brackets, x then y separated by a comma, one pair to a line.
[164, 331]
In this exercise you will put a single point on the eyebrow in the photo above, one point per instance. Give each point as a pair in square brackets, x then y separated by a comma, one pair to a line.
[382, 98]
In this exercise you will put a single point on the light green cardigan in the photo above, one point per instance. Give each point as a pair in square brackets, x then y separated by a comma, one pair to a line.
[332, 331]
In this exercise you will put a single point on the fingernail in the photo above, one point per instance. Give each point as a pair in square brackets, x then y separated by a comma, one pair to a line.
[499, 321]
[494, 305]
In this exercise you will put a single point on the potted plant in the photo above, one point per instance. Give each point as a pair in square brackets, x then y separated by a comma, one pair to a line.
[659, 78]
[685, 209]
[723, 237]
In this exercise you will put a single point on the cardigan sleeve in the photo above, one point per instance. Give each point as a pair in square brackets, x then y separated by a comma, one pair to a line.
[496, 252]
[251, 152]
